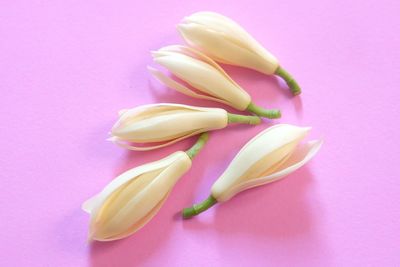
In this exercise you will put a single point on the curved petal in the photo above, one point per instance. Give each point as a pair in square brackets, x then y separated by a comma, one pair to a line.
[181, 88]
[152, 109]
[122, 111]
[124, 144]
[261, 154]
[134, 202]
[174, 120]
[89, 204]
[223, 48]
[144, 111]
[197, 54]
[137, 226]
[235, 32]
[222, 24]
[94, 202]
[205, 78]
[304, 153]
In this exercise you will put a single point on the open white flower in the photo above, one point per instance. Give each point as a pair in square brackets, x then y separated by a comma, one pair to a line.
[269, 156]
[225, 41]
[127, 203]
[199, 76]
[160, 125]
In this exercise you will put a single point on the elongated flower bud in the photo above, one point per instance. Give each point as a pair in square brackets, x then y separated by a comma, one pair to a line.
[127, 203]
[269, 156]
[201, 77]
[159, 125]
[225, 41]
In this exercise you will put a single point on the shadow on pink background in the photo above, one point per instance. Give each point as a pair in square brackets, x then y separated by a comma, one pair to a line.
[67, 68]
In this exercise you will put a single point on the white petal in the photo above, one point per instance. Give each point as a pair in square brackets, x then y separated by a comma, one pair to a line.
[227, 50]
[231, 29]
[174, 120]
[133, 210]
[142, 124]
[197, 54]
[168, 127]
[259, 155]
[95, 202]
[236, 32]
[122, 111]
[205, 78]
[89, 204]
[193, 53]
[219, 23]
[181, 88]
[303, 154]
[126, 145]
[138, 225]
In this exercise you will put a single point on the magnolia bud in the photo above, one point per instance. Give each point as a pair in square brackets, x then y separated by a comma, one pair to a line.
[159, 125]
[225, 41]
[127, 203]
[271, 155]
[203, 78]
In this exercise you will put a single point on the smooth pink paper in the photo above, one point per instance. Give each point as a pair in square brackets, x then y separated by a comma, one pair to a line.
[67, 67]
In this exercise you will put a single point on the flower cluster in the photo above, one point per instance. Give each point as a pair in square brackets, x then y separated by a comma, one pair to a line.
[129, 201]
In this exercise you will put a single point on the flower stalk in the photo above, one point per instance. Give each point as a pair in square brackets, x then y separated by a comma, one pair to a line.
[195, 149]
[236, 118]
[196, 209]
[267, 113]
[291, 82]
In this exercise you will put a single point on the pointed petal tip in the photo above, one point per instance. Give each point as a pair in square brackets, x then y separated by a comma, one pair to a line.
[317, 142]
[111, 139]
[85, 208]
[89, 240]
[90, 237]
[314, 146]
[180, 25]
[151, 69]
[307, 128]
[122, 111]
[154, 53]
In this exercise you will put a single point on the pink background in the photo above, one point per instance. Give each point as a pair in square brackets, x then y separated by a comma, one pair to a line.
[67, 67]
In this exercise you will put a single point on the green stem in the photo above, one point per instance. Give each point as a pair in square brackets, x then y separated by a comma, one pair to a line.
[195, 149]
[291, 82]
[199, 208]
[233, 118]
[268, 113]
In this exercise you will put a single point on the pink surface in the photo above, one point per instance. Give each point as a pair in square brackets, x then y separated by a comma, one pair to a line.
[67, 67]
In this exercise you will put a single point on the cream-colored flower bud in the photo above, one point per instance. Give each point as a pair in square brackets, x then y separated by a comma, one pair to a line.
[165, 123]
[269, 156]
[127, 203]
[225, 41]
[203, 78]
[272, 154]
[202, 73]
[159, 125]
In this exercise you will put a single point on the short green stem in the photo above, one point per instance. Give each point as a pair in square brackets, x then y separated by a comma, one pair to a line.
[195, 149]
[291, 82]
[236, 118]
[268, 113]
[199, 208]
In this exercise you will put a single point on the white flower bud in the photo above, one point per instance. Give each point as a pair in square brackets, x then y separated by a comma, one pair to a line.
[127, 203]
